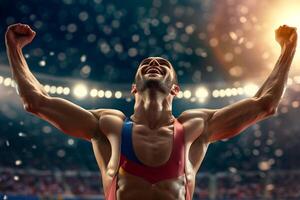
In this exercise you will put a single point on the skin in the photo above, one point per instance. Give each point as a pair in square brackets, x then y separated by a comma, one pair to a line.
[154, 90]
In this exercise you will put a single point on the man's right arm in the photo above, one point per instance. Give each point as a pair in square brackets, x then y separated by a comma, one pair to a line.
[66, 116]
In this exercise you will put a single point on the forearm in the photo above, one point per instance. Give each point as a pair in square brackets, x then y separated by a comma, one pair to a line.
[28, 86]
[274, 86]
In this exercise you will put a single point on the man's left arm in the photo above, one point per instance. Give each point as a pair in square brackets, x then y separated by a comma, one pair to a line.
[231, 120]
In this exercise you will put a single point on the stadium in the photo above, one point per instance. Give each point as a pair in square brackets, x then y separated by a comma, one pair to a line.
[87, 51]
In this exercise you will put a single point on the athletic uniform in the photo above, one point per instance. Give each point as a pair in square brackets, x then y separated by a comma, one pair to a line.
[129, 162]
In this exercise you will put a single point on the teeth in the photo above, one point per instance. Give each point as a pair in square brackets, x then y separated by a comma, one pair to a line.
[153, 71]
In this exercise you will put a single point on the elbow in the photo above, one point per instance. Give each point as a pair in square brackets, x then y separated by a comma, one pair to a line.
[268, 106]
[29, 107]
[271, 112]
[34, 104]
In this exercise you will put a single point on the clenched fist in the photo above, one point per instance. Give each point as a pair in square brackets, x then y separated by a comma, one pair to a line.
[18, 35]
[286, 36]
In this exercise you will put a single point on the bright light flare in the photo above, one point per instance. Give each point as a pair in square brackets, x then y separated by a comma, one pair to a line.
[202, 93]
[80, 91]
[250, 89]
[283, 13]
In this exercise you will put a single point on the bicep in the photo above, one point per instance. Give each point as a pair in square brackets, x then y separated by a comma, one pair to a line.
[68, 117]
[229, 121]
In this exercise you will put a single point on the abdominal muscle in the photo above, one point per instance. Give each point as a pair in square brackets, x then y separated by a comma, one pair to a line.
[130, 187]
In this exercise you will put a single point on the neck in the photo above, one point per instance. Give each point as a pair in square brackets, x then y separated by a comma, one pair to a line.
[153, 109]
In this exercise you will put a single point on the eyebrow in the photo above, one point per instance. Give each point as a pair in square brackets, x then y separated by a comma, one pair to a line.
[160, 60]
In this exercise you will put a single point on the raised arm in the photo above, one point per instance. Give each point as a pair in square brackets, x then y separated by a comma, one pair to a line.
[66, 116]
[231, 120]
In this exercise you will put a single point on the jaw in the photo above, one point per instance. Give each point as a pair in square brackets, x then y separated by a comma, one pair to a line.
[153, 85]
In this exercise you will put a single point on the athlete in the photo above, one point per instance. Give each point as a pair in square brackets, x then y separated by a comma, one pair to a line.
[150, 155]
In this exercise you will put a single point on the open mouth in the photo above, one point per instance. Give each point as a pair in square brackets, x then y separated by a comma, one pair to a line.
[153, 71]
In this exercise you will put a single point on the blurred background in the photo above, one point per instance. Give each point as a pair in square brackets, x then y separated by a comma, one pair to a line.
[87, 51]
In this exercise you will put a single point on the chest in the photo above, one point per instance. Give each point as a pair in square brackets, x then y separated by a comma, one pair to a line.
[153, 147]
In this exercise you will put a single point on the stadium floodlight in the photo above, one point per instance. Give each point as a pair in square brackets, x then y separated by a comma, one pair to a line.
[47, 88]
[94, 92]
[13, 84]
[234, 91]
[216, 93]
[222, 93]
[80, 90]
[180, 94]
[108, 94]
[7, 81]
[250, 89]
[66, 91]
[52, 89]
[118, 94]
[187, 94]
[59, 90]
[240, 91]
[100, 93]
[228, 92]
[202, 92]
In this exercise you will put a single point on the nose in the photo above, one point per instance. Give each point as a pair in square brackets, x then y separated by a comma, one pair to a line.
[154, 62]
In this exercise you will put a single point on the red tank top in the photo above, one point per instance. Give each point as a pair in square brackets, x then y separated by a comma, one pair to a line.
[173, 168]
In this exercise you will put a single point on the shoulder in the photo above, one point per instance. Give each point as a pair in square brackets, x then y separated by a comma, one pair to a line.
[110, 120]
[194, 122]
[191, 114]
[102, 112]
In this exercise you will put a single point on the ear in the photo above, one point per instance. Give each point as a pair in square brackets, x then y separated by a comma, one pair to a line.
[175, 89]
[133, 89]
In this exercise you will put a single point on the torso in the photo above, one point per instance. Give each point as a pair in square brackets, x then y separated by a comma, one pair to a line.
[153, 148]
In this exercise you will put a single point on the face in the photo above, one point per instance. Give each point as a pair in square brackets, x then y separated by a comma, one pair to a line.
[155, 73]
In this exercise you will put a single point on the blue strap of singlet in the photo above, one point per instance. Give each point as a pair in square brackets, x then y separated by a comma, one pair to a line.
[126, 142]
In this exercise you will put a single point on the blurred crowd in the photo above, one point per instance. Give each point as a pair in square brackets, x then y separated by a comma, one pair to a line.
[275, 185]
[45, 183]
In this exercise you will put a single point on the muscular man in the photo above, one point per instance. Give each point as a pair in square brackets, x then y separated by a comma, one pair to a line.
[150, 155]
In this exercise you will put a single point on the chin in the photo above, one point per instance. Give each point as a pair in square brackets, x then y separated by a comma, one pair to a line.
[153, 83]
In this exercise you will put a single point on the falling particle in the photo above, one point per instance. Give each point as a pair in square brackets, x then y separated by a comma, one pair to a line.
[241, 40]
[5, 197]
[61, 153]
[278, 152]
[70, 142]
[42, 63]
[46, 129]
[51, 53]
[16, 178]
[7, 143]
[249, 45]
[213, 42]
[270, 187]
[233, 35]
[243, 20]
[18, 162]
[209, 68]
[33, 146]
[264, 165]
[83, 58]
[22, 134]
[228, 57]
